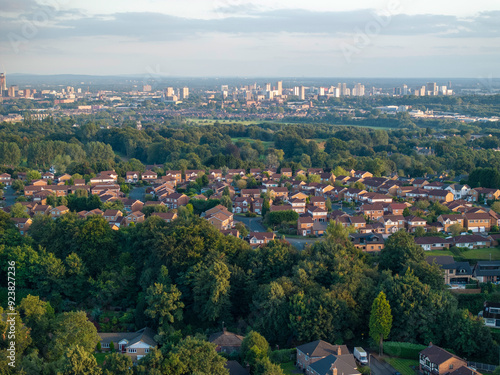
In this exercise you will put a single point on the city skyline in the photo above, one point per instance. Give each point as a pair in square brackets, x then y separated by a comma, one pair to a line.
[236, 38]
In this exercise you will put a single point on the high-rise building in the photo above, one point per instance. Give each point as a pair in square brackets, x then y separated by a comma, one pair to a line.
[3, 82]
[13, 91]
[422, 91]
[432, 88]
[185, 93]
[302, 95]
[343, 89]
[146, 88]
[296, 91]
[224, 88]
[322, 91]
[280, 88]
[268, 87]
[405, 90]
[358, 90]
[170, 91]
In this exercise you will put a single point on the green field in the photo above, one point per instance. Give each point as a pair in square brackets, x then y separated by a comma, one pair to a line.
[438, 253]
[402, 365]
[266, 144]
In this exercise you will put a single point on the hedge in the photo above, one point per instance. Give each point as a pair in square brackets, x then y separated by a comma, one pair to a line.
[403, 349]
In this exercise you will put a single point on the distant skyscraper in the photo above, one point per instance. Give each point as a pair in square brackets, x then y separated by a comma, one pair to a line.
[170, 91]
[302, 93]
[296, 91]
[185, 92]
[432, 88]
[343, 89]
[405, 90]
[3, 82]
[358, 90]
[280, 88]
[322, 91]
[268, 87]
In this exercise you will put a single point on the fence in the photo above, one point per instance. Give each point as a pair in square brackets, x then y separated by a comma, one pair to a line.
[482, 366]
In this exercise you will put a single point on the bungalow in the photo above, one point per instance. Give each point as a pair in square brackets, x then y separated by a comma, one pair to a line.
[403, 191]
[149, 176]
[472, 241]
[133, 344]
[435, 185]
[433, 243]
[260, 238]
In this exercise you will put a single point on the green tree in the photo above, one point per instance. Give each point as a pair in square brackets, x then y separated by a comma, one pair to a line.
[456, 229]
[78, 361]
[380, 320]
[254, 347]
[164, 300]
[18, 211]
[419, 232]
[117, 363]
[399, 250]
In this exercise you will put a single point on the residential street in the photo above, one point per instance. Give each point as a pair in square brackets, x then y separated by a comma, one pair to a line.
[254, 224]
[380, 368]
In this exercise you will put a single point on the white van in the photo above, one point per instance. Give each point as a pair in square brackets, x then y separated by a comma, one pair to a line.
[360, 355]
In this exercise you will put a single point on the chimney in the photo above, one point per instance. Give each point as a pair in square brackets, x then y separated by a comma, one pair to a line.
[333, 369]
[430, 343]
[339, 351]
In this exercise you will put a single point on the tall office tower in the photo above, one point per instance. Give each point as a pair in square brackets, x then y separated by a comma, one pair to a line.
[302, 95]
[449, 85]
[224, 88]
[268, 87]
[296, 91]
[322, 91]
[405, 90]
[280, 88]
[170, 91]
[398, 91]
[432, 88]
[343, 89]
[3, 82]
[249, 95]
[347, 92]
[336, 92]
[185, 92]
[358, 90]
[13, 91]
[422, 91]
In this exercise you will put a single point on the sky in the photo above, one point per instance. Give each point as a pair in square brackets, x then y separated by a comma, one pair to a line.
[260, 38]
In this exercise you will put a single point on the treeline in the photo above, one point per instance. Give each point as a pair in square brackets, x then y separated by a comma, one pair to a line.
[185, 277]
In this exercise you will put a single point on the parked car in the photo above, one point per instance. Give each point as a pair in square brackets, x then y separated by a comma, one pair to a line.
[360, 354]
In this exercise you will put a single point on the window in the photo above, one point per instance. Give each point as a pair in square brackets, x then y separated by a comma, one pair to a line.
[105, 345]
[451, 366]
[146, 350]
[132, 350]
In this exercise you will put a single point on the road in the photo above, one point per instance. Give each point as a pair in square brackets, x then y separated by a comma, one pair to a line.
[138, 193]
[380, 368]
[254, 224]
[10, 197]
[300, 243]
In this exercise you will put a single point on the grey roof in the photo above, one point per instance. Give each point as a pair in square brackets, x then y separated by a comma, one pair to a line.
[320, 348]
[448, 263]
[487, 268]
[343, 365]
[235, 368]
[145, 335]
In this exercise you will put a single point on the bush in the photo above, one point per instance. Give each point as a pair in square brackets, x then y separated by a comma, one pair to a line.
[403, 349]
[282, 356]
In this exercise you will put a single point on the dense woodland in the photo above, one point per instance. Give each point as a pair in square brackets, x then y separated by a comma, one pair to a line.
[184, 279]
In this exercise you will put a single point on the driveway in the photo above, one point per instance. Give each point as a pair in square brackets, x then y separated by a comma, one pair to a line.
[254, 224]
[380, 368]
[10, 197]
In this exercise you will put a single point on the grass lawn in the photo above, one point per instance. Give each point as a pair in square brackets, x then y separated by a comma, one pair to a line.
[482, 254]
[438, 252]
[402, 365]
[100, 357]
[288, 367]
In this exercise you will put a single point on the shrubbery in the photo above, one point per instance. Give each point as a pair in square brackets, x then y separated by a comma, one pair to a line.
[403, 349]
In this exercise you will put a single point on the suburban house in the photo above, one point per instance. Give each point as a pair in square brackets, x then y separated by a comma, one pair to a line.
[314, 351]
[219, 217]
[368, 242]
[135, 217]
[242, 204]
[480, 194]
[491, 314]
[413, 222]
[457, 273]
[133, 344]
[433, 243]
[334, 365]
[458, 191]
[149, 176]
[166, 216]
[112, 215]
[477, 222]
[487, 271]
[449, 220]
[132, 177]
[5, 179]
[472, 241]
[373, 211]
[440, 195]
[260, 238]
[227, 342]
[175, 200]
[434, 360]
[58, 211]
[23, 224]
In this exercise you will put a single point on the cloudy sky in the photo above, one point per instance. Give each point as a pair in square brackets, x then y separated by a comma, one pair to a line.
[287, 38]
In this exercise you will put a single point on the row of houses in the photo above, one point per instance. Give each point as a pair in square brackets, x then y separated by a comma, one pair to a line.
[460, 273]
